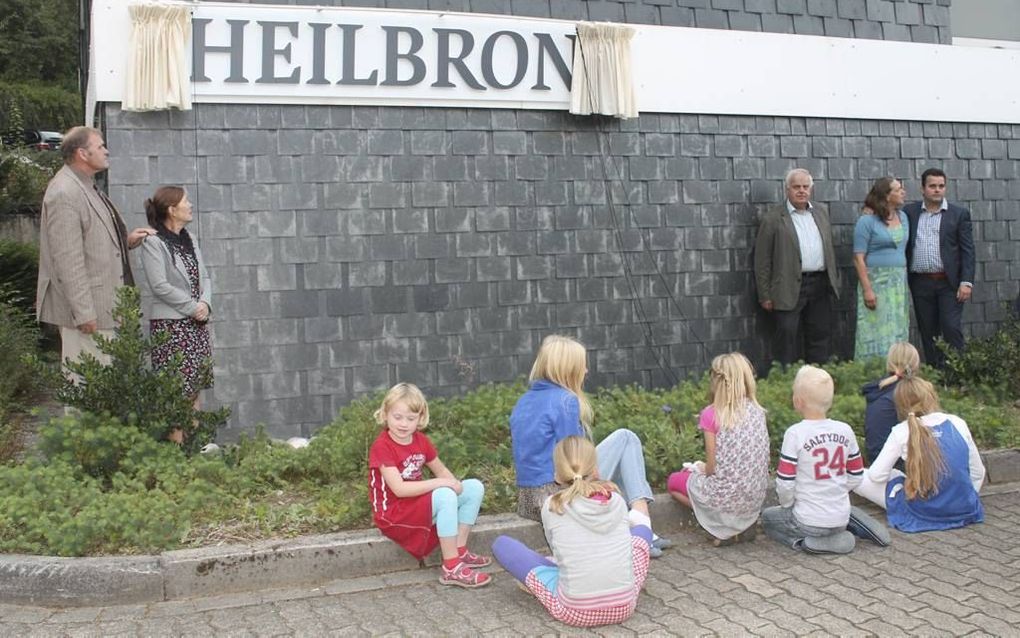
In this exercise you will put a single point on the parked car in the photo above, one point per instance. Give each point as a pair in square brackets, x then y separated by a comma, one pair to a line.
[34, 139]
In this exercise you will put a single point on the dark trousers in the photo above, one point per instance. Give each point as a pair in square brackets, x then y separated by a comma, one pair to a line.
[938, 314]
[808, 327]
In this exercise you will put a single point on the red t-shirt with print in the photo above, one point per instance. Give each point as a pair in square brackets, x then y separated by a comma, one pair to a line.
[407, 521]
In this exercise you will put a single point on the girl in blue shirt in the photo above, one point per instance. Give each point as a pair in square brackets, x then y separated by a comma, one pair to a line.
[555, 407]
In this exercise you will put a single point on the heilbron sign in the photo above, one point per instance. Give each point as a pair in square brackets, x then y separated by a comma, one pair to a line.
[244, 53]
[240, 50]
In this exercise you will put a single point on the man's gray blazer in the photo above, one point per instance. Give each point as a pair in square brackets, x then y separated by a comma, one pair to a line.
[80, 265]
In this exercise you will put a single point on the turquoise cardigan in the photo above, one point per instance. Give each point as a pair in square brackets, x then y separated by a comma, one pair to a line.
[872, 239]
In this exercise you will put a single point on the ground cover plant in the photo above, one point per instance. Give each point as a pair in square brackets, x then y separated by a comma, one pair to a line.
[106, 484]
[18, 339]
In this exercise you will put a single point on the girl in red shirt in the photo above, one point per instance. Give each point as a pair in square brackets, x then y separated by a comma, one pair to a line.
[415, 512]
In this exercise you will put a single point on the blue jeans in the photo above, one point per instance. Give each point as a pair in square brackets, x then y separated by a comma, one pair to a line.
[783, 527]
[622, 461]
[449, 509]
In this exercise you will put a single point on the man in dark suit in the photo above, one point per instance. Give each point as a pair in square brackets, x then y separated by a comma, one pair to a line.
[795, 270]
[940, 257]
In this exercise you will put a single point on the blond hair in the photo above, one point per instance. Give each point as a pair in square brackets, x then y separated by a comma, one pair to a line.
[814, 387]
[925, 464]
[564, 361]
[731, 387]
[575, 466]
[409, 395]
[902, 362]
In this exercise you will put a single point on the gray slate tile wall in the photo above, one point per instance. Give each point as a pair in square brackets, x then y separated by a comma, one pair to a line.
[352, 247]
[902, 20]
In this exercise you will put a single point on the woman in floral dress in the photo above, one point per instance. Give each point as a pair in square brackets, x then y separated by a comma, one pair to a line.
[880, 259]
[181, 292]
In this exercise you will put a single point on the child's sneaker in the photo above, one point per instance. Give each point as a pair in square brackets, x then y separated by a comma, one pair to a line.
[838, 543]
[464, 576]
[474, 560]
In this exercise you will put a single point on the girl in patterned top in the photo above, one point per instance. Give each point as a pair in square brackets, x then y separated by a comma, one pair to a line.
[727, 489]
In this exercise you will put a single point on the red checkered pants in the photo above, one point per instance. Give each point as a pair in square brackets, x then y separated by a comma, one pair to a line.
[595, 617]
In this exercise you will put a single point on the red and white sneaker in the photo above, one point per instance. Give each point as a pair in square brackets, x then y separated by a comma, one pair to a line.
[475, 560]
[464, 576]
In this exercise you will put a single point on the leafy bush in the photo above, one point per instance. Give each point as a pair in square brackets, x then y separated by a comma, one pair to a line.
[38, 106]
[988, 365]
[19, 272]
[24, 175]
[129, 389]
[18, 339]
[101, 486]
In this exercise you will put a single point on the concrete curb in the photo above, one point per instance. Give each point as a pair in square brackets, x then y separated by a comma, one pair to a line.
[48, 581]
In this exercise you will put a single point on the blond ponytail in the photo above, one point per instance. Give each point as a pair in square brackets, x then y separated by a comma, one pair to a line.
[575, 465]
[903, 362]
[925, 464]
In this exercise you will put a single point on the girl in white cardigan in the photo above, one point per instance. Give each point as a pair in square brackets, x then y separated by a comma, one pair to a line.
[944, 469]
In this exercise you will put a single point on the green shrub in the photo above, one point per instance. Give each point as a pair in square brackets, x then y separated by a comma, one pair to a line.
[24, 175]
[19, 272]
[988, 366]
[104, 485]
[18, 340]
[96, 446]
[129, 389]
[38, 106]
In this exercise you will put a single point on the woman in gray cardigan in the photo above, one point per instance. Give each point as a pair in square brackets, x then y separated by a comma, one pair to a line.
[181, 292]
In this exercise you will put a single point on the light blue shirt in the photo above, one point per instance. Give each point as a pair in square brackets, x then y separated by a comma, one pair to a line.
[812, 254]
[927, 256]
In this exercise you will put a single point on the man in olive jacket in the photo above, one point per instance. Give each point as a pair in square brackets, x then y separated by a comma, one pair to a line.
[795, 270]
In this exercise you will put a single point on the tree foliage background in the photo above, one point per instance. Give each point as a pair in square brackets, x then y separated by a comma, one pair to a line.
[39, 42]
[39, 65]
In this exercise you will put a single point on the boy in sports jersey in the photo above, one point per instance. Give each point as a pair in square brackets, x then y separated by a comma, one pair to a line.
[818, 466]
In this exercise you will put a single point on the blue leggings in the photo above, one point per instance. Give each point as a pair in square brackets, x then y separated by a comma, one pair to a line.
[449, 508]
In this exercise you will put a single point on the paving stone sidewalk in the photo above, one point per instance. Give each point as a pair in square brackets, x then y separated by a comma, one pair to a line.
[960, 582]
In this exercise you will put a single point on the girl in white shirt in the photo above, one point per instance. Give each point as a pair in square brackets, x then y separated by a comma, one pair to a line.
[944, 469]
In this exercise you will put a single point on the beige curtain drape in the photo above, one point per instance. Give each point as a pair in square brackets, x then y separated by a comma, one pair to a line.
[157, 73]
[602, 81]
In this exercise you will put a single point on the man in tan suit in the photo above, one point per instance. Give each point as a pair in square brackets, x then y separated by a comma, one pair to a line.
[83, 247]
[795, 270]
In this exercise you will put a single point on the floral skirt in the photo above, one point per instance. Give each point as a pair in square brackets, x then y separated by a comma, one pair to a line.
[192, 340]
[889, 322]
